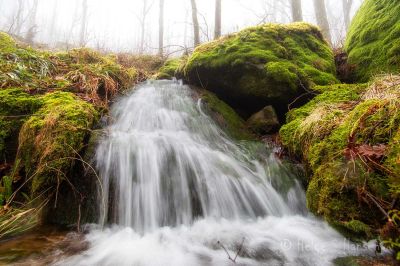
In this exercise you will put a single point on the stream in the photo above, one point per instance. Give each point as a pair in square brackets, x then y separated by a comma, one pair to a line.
[176, 190]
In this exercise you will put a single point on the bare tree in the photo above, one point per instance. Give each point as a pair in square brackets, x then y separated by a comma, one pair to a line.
[297, 12]
[161, 29]
[17, 21]
[82, 38]
[146, 7]
[196, 27]
[217, 26]
[53, 18]
[31, 33]
[322, 19]
[346, 5]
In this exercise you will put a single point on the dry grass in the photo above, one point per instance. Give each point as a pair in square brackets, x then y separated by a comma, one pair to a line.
[321, 121]
[16, 220]
[383, 87]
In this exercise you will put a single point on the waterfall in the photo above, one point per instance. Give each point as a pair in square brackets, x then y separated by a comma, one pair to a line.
[176, 190]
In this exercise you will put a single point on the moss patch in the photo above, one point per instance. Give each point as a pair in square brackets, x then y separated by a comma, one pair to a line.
[265, 65]
[15, 108]
[348, 136]
[171, 69]
[225, 116]
[373, 40]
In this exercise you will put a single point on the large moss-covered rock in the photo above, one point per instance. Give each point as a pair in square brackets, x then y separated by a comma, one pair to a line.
[348, 136]
[51, 138]
[373, 40]
[270, 64]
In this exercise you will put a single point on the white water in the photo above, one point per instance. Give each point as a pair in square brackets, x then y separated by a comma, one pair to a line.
[175, 185]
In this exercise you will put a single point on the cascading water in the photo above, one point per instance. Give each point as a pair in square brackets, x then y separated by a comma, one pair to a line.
[180, 192]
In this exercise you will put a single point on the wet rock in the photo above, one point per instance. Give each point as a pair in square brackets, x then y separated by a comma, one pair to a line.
[264, 122]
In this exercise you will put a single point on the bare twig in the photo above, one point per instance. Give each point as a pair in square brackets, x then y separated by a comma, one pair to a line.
[237, 253]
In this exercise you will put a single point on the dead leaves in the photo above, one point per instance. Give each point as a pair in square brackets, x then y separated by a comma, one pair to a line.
[375, 153]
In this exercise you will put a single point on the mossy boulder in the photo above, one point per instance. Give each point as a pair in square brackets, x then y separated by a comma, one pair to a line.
[51, 138]
[373, 40]
[270, 64]
[264, 122]
[348, 137]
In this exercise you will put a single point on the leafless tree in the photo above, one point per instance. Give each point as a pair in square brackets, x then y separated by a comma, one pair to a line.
[31, 33]
[17, 20]
[217, 26]
[146, 7]
[82, 38]
[322, 19]
[53, 18]
[161, 29]
[347, 5]
[297, 12]
[204, 28]
[196, 27]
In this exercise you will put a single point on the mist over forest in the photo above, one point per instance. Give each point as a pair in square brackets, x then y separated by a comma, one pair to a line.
[135, 26]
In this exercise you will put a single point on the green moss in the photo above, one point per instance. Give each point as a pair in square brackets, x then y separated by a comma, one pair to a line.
[15, 108]
[52, 137]
[315, 120]
[265, 65]
[7, 44]
[225, 116]
[373, 41]
[5, 189]
[326, 133]
[392, 163]
[169, 69]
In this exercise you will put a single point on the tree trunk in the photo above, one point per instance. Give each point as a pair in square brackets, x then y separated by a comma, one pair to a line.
[297, 12]
[53, 18]
[82, 39]
[322, 19]
[18, 20]
[161, 29]
[347, 4]
[217, 26]
[196, 27]
[31, 33]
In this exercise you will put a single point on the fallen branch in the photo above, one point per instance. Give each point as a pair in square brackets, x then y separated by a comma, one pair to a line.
[227, 253]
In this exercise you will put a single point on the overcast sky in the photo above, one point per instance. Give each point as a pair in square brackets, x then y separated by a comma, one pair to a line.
[114, 24]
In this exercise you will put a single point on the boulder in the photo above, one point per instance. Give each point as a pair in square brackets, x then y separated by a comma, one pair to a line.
[271, 64]
[265, 121]
[373, 40]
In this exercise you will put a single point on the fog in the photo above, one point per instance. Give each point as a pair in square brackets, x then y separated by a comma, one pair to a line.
[116, 25]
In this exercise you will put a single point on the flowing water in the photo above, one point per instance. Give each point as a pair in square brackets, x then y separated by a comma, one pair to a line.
[178, 191]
